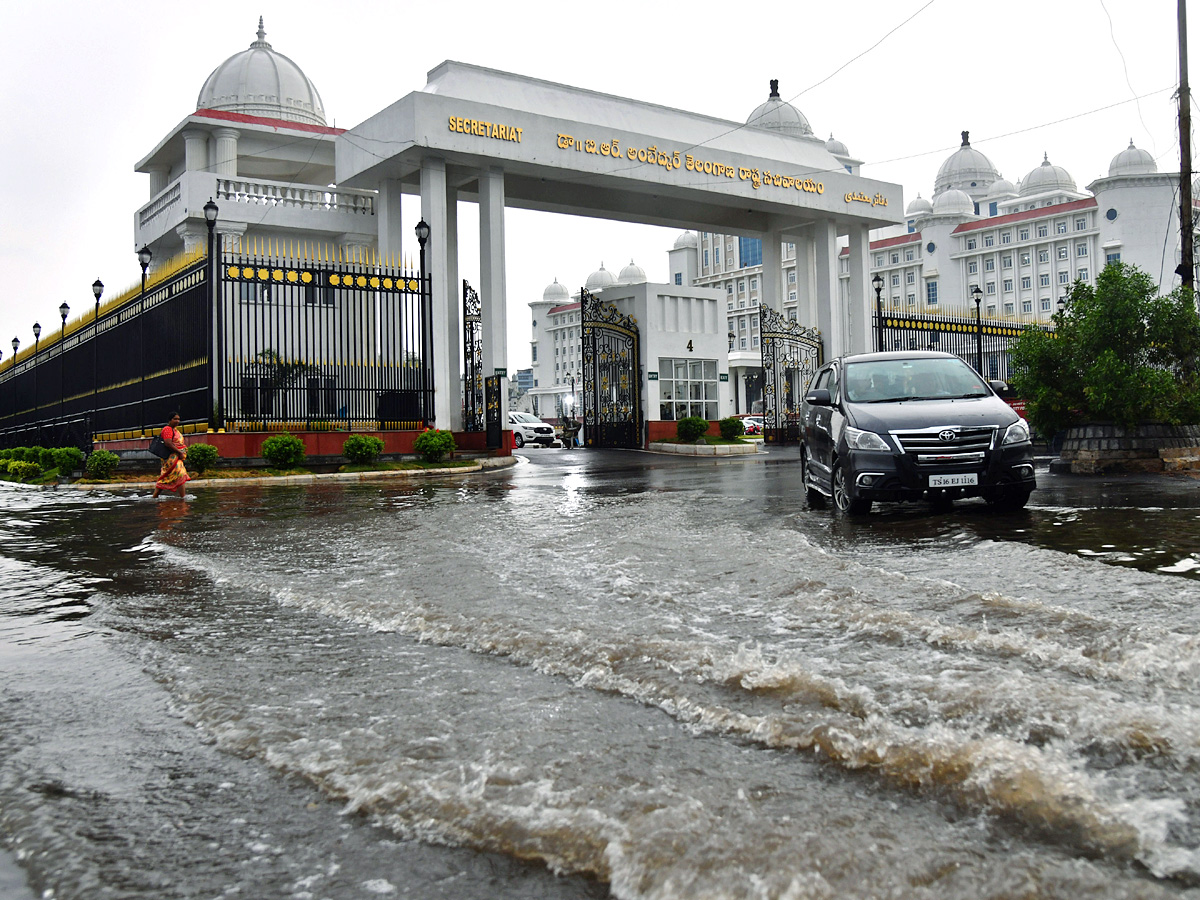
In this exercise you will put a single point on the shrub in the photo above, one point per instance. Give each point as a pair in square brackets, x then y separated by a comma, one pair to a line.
[18, 453]
[44, 458]
[433, 444]
[691, 428]
[101, 464]
[202, 457]
[5, 454]
[732, 428]
[67, 459]
[283, 451]
[4, 467]
[23, 471]
[361, 448]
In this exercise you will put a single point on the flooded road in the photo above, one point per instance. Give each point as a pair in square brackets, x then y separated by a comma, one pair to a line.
[601, 674]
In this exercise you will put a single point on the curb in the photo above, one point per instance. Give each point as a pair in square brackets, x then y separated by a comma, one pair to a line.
[479, 466]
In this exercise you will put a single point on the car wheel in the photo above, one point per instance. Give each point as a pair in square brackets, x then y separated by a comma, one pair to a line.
[816, 500]
[1011, 502]
[852, 506]
[518, 439]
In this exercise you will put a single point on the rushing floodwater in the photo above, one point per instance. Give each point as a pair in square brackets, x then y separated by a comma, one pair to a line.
[600, 675]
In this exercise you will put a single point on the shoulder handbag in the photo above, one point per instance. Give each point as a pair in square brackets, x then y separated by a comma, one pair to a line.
[159, 447]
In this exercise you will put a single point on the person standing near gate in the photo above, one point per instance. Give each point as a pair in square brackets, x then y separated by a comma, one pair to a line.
[172, 475]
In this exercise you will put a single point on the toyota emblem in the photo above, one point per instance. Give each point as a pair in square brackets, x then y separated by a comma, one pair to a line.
[946, 436]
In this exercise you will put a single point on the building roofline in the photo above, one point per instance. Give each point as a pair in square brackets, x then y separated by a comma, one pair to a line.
[266, 120]
[1026, 215]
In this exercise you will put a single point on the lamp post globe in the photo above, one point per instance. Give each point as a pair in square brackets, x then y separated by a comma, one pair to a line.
[16, 343]
[37, 332]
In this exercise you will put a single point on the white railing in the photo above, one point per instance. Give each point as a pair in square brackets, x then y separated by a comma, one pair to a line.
[159, 204]
[271, 193]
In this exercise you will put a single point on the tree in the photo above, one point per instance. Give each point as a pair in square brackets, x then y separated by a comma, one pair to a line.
[1120, 354]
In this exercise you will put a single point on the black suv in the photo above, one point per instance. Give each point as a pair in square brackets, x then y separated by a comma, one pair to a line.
[906, 425]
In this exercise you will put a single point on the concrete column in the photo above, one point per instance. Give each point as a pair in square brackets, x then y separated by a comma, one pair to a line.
[825, 253]
[492, 279]
[391, 232]
[443, 337]
[225, 161]
[193, 234]
[861, 302]
[158, 180]
[195, 151]
[772, 271]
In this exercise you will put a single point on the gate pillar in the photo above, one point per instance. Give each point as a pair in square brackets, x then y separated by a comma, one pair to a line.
[492, 281]
[441, 260]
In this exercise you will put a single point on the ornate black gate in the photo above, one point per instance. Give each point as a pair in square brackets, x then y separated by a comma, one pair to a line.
[473, 393]
[791, 355]
[612, 378]
[491, 392]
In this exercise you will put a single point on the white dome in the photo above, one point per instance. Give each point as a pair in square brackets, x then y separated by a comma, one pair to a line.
[556, 293]
[262, 82]
[600, 279]
[632, 274]
[836, 147]
[687, 239]
[918, 207]
[1132, 161]
[965, 168]
[779, 116]
[1047, 177]
[1001, 188]
[953, 202]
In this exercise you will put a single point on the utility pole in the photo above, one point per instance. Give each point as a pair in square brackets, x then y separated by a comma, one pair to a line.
[1187, 269]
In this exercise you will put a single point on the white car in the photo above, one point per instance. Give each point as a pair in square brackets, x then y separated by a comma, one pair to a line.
[529, 429]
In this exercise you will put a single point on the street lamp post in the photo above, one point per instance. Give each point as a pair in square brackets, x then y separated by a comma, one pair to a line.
[37, 336]
[977, 295]
[422, 231]
[216, 372]
[144, 256]
[97, 290]
[16, 344]
[877, 281]
[63, 309]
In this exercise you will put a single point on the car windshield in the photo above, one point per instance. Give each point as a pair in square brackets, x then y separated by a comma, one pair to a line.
[894, 380]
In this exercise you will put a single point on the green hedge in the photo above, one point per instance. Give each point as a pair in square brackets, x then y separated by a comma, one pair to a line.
[361, 448]
[691, 428]
[283, 451]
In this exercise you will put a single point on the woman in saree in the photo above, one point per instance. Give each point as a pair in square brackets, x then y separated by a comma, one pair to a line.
[172, 475]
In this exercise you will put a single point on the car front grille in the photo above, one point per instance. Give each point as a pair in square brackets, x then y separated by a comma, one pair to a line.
[928, 446]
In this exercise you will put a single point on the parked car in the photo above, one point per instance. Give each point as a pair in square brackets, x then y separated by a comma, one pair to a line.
[900, 426]
[529, 429]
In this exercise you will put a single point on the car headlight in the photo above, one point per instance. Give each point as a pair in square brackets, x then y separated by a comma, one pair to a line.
[857, 439]
[1017, 433]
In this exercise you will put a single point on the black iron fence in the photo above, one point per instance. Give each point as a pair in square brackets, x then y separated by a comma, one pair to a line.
[116, 373]
[322, 344]
[985, 344]
[304, 343]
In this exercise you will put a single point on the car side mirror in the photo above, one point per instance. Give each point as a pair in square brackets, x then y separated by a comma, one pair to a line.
[819, 397]
[999, 387]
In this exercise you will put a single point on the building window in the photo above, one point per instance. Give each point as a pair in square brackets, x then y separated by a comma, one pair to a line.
[989, 265]
[1045, 304]
[741, 285]
[1027, 306]
[791, 276]
[991, 310]
[1062, 252]
[1007, 261]
[791, 314]
[971, 243]
[792, 296]
[1081, 250]
[989, 240]
[750, 251]
[716, 256]
[908, 255]
[931, 293]
[1008, 285]
[1064, 277]
[679, 278]
[1061, 227]
[972, 267]
[729, 287]
[911, 277]
[895, 279]
[706, 257]
[1112, 257]
[895, 258]
[1043, 230]
[991, 287]
[878, 259]
[1026, 283]
[754, 284]
[1006, 237]
[912, 299]
[1025, 259]
[688, 387]
[1081, 224]
[1044, 279]
[1008, 309]
[1043, 256]
[1082, 274]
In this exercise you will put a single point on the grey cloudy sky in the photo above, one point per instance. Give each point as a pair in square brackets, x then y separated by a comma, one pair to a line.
[90, 88]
